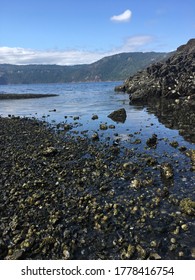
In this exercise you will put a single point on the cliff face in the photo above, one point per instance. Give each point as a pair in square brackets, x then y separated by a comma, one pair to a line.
[172, 78]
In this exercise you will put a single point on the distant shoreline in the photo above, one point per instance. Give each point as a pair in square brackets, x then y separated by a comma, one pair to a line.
[5, 96]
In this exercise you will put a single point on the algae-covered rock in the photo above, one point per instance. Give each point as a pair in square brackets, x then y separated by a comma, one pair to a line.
[187, 206]
[103, 126]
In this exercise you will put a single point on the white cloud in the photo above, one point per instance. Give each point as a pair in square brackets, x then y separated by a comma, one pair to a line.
[136, 43]
[69, 57]
[60, 57]
[124, 17]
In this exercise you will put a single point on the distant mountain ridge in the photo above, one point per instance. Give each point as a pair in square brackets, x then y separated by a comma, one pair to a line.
[111, 68]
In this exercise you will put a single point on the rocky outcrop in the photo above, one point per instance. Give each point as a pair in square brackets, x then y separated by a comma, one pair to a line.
[172, 78]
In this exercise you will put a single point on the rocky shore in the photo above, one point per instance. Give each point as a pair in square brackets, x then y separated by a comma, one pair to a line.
[65, 197]
[173, 78]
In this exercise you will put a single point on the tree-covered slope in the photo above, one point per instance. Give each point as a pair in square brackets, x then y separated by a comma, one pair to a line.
[115, 67]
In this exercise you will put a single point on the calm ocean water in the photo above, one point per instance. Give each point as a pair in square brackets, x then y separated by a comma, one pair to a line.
[83, 100]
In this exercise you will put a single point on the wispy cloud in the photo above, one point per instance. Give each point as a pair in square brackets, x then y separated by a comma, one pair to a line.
[124, 17]
[136, 43]
[69, 57]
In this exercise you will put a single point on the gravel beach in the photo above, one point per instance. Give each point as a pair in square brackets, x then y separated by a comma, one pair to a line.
[65, 197]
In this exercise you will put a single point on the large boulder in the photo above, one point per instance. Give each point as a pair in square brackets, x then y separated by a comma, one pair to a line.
[118, 115]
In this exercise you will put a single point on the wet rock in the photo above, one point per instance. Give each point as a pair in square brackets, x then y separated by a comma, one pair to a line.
[50, 151]
[185, 227]
[118, 115]
[121, 88]
[127, 254]
[152, 142]
[174, 144]
[141, 252]
[136, 183]
[66, 253]
[67, 126]
[155, 256]
[193, 252]
[94, 117]
[103, 126]
[17, 255]
[95, 136]
[187, 206]
[166, 170]
[3, 249]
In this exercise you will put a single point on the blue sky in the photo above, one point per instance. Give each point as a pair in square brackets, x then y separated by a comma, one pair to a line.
[73, 32]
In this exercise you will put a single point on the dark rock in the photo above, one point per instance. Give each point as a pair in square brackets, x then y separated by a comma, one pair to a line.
[120, 88]
[3, 249]
[118, 115]
[172, 78]
[24, 96]
[49, 151]
[94, 117]
[95, 136]
[152, 142]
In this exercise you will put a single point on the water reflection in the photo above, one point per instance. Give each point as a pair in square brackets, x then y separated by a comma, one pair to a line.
[175, 116]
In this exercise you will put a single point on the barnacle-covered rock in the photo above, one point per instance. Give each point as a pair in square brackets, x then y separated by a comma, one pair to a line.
[187, 206]
[103, 126]
[166, 170]
[49, 151]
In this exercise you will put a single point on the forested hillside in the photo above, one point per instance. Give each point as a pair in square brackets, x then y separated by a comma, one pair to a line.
[116, 67]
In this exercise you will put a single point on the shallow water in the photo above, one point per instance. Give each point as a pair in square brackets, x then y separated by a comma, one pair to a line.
[85, 100]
